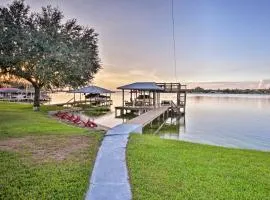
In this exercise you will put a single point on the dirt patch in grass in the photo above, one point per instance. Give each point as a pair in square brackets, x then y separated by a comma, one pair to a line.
[48, 148]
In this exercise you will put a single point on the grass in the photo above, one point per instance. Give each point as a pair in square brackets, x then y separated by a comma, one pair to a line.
[17, 120]
[166, 169]
[41, 158]
[25, 177]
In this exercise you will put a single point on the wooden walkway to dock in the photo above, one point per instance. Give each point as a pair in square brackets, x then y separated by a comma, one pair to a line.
[149, 116]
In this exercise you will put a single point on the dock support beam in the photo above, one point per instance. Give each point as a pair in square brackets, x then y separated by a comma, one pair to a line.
[123, 98]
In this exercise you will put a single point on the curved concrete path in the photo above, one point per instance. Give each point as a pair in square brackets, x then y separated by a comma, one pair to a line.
[109, 180]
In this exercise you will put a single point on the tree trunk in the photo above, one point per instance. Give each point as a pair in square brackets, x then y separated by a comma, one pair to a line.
[36, 98]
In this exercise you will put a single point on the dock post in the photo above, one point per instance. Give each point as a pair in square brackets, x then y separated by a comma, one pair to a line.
[121, 112]
[185, 103]
[178, 99]
[123, 98]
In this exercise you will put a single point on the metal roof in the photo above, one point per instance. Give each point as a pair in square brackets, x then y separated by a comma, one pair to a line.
[10, 90]
[92, 90]
[151, 86]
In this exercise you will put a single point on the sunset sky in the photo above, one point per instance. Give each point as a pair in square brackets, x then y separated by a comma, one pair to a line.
[216, 40]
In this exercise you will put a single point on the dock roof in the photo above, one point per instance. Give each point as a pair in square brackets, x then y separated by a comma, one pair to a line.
[150, 86]
[92, 90]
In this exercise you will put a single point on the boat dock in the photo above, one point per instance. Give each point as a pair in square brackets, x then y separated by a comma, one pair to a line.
[146, 96]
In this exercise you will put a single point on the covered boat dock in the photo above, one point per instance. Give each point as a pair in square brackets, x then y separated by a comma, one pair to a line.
[145, 96]
[93, 95]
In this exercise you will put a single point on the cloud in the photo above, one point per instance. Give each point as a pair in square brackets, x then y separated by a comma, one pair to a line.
[113, 77]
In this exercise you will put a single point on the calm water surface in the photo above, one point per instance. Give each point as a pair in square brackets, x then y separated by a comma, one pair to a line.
[240, 121]
[232, 121]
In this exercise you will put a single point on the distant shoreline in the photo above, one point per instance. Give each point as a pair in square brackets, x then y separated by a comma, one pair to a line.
[199, 90]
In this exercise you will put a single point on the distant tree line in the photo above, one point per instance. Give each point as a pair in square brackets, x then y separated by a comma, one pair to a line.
[229, 91]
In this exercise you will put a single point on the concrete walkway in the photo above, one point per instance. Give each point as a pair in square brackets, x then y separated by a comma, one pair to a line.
[109, 180]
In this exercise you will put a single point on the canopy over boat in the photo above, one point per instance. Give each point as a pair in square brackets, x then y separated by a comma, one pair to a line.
[147, 86]
[92, 90]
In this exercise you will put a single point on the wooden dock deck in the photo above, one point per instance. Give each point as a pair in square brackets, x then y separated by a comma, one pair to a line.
[149, 116]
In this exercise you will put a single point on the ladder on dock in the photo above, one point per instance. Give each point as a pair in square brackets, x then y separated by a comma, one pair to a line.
[174, 108]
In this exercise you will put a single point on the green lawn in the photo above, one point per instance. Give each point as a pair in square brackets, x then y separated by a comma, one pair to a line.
[41, 158]
[19, 119]
[166, 169]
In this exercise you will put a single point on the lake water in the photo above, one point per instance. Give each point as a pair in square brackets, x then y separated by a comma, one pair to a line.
[240, 121]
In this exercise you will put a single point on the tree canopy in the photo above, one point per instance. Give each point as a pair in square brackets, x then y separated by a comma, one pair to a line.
[44, 50]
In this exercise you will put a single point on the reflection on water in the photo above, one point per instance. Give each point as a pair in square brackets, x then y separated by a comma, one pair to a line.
[168, 129]
[241, 121]
[170, 133]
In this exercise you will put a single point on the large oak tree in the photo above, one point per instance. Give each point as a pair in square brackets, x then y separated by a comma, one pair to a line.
[44, 50]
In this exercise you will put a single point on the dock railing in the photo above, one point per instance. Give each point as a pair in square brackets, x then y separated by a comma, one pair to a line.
[172, 87]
